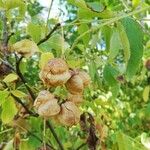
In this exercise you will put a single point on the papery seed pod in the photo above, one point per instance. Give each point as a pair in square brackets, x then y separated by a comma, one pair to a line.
[58, 79]
[25, 47]
[69, 115]
[85, 78]
[75, 84]
[55, 73]
[56, 66]
[48, 109]
[77, 99]
[42, 98]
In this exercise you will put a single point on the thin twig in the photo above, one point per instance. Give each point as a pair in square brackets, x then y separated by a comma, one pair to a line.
[32, 134]
[7, 64]
[49, 10]
[82, 145]
[55, 135]
[22, 77]
[24, 106]
[49, 34]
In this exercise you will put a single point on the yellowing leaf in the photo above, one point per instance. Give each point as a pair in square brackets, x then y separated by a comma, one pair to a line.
[3, 96]
[135, 3]
[18, 93]
[146, 93]
[74, 63]
[148, 44]
[9, 145]
[9, 110]
[10, 78]
[25, 47]
[145, 140]
[45, 57]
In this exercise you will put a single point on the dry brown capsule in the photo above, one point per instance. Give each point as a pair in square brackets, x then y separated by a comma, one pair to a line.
[46, 104]
[69, 115]
[42, 98]
[76, 99]
[85, 78]
[55, 72]
[75, 84]
[25, 47]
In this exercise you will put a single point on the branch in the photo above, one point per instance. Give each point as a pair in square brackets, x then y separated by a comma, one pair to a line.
[22, 77]
[8, 64]
[24, 106]
[54, 134]
[49, 34]
[34, 135]
[82, 145]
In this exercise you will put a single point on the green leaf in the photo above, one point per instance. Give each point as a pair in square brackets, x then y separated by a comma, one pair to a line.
[145, 140]
[107, 32]
[83, 28]
[45, 57]
[91, 10]
[3, 96]
[125, 142]
[9, 145]
[10, 78]
[80, 3]
[9, 110]
[8, 4]
[114, 44]
[57, 43]
[124, 42]
[135, 36]
[18, 93]
[72, 63]
[92, 70]
[146, 93]
[89, 14]
[95, 6]
[34, 30]
[110, 75]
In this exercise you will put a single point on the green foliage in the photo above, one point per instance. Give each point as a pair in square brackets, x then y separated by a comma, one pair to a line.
[135, 36]
[9, 110]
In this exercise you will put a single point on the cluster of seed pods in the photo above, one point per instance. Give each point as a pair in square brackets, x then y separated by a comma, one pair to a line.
[57, 73]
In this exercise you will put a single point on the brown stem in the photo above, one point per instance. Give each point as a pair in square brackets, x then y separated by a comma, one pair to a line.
[24, 106]
[49, 34]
